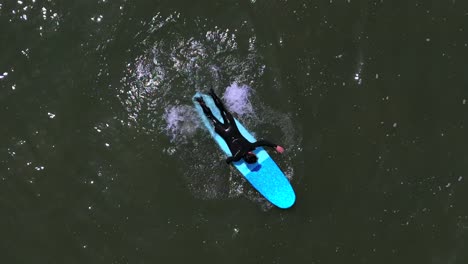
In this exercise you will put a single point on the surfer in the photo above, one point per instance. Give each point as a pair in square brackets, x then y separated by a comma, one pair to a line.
[238, 144]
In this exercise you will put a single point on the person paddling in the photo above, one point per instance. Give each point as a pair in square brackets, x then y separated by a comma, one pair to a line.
[239, 146]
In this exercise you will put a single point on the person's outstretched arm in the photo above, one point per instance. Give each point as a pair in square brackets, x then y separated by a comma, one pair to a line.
[266, 143]
[236, 157]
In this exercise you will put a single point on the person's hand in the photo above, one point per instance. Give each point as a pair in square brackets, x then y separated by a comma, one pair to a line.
[279, 149]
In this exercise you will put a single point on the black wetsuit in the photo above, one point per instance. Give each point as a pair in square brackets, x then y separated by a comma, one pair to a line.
[228, 130]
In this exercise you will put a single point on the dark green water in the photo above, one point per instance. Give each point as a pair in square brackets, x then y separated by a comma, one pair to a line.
[98, 141]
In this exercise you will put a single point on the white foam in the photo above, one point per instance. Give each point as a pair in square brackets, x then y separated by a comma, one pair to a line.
[237, 98]
[181, 121]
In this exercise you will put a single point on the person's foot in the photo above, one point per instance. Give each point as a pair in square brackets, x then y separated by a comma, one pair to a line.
[212, 93]
[200, 100]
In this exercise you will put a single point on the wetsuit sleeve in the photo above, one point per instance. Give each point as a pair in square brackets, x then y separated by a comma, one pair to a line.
[229, 160]
[233, 158]
[264, 143]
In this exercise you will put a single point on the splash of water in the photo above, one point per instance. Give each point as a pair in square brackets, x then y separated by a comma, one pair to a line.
[181, 122]
[158, 87]
[171, 70]
[237, 98]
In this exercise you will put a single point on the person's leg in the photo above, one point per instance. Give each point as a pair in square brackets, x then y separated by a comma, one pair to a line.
[227, 117]
[216, 99]
[208, 112]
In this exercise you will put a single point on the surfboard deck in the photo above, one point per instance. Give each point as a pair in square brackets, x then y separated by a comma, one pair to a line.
[265, 175]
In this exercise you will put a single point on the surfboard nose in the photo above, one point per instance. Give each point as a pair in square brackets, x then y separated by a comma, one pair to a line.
[286, 200]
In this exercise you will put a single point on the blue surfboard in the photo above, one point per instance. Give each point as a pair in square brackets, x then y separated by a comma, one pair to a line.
[265, 175]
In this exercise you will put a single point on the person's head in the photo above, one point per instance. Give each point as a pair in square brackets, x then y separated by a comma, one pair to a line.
[250, 158]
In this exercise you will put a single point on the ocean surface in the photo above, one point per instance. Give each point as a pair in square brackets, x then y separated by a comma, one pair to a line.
[104, 160]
